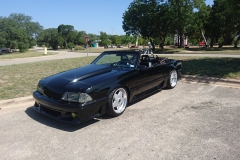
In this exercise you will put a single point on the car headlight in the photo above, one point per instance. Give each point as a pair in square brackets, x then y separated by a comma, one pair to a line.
[76, 97]
[40, 88]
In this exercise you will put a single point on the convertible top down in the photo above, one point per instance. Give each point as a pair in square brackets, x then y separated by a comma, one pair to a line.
[107, 85]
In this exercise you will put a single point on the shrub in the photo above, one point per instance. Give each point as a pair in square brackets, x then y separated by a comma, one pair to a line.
[79, 48]
[23, 47]
[70, 45]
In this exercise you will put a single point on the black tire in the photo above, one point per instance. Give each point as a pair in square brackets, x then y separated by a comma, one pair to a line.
[172, 79]
[117, 102]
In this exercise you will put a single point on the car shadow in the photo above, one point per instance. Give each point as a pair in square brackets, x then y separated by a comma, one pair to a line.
[56, 124]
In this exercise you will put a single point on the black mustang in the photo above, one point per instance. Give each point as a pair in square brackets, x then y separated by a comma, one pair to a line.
[107, 85]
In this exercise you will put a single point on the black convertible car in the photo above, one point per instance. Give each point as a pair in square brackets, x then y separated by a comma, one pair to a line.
[107, 85]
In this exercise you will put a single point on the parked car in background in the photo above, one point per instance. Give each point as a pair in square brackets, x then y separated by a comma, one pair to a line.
[111, 46]
[5, 50]
[134, 47]
[119, 46]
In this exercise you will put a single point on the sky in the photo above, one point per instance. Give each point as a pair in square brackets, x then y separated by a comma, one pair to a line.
[92, 16]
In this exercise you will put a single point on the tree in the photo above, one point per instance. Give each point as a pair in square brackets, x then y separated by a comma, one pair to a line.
[25, 22]
[80, 38]
[146, 18]
[184, 19]
[18, 31]
[104, 39]
[163, 24]
[157, 18]
[50, 38]
[197, 30]
[137, 19]
[116, 40]
[72, 37]
[65, 31]
[225, 21]
[126, 39]
[12, 36]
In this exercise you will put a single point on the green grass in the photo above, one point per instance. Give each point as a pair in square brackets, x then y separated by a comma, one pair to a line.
[211, 67]
[27, 54]
[21, 80]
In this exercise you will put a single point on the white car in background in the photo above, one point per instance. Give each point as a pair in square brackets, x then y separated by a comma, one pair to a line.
[111, 46]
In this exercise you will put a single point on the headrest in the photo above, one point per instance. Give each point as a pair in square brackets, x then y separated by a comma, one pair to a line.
[124, 58]
[145, 58]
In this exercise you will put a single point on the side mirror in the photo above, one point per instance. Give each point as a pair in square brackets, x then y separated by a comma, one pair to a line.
[141, 67]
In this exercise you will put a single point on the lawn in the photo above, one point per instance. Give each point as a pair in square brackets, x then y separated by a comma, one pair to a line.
[21, 80]
[211, 67]
[27, 54]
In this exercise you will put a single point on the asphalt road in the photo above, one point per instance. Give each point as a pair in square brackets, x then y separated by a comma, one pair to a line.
[61, 55]
[191, 121]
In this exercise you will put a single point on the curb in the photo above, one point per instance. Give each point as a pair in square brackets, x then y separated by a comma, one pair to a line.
[211, 80]
[185, 78]
[4, 103]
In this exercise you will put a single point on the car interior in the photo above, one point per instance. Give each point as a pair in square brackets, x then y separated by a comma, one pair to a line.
[148, 61]
[124, 60]
[145, 60]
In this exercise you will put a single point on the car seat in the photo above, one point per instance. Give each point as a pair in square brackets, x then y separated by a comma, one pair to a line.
[124, 60]
[145, 60]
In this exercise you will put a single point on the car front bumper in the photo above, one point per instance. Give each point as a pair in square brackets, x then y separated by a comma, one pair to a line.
[70, 112]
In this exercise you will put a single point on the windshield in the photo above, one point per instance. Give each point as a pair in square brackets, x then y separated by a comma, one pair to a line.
[122, 59]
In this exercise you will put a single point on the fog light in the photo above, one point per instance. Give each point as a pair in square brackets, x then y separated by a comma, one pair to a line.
[73, 115]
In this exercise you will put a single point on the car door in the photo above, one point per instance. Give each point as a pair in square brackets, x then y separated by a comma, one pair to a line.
[149, 78]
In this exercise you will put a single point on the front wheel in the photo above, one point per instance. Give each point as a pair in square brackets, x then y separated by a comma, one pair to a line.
[117, 102]
[172, 80]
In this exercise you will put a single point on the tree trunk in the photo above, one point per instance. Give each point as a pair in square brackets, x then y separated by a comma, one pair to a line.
[181, 27]
[65, 47]
[162, 40]
[181, 45]
[228, 39]
[220, 45]
[236, 42]
[211, 42]
[161, 45]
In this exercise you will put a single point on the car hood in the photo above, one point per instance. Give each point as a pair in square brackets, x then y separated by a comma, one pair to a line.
[78, 79]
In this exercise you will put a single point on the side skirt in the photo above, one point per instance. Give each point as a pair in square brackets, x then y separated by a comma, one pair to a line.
[148, 92]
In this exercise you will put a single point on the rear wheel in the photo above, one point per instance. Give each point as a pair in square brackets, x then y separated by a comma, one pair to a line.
[117, 102]
[172, 80]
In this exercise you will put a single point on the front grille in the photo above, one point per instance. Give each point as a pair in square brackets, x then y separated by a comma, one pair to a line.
[64, 116]
[50, 111]
[51, 94]
[48, 93]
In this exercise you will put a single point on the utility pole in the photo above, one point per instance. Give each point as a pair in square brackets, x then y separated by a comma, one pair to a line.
[112, 30]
